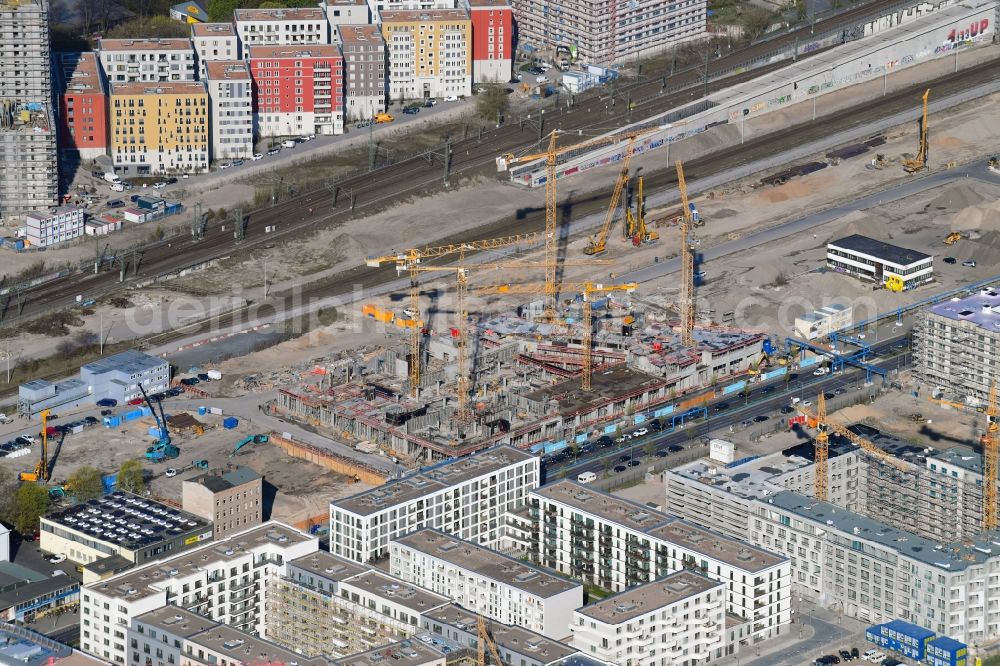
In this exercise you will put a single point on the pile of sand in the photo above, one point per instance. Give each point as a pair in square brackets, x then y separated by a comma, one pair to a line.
[864, 223]
[793, 189]
[956, 197]
[981, 218]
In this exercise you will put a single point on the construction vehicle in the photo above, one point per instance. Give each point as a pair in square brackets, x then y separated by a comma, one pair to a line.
[598, 242]
[162, 449]
[919, 163]
[994, 164]
[635, 224]
[952, 238]
[200, 464]
[894, 283]
[41, 472]
[252, 439]
[991, 456]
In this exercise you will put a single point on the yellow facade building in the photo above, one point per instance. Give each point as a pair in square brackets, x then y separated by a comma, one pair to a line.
[159, 128]
[430, 53]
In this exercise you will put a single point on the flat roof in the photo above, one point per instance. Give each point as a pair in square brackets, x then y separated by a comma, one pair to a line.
[127, 521]
[618, 510]
[412, 597]
[486, 4]
[241, 647]
[486, 562]
[34, 649]
[158, 88]
[176, 620]
[981, 309]
[325, 564]
[293, 14]
[34, 590]
[344, 3]
[876, 248]
[356, 34]
[296, 51]
[145, 44]
[432, 479]
[411, 652]
[212, 29]
[649, 597]
[733, 552]
[79, 73]
[518, 640]
[137, 583]
[417, 15]
[606, 386]
[950, 557]
[227, 480]
[227, 69]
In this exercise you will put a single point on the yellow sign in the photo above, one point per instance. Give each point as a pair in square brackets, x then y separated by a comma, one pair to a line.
[191, 540]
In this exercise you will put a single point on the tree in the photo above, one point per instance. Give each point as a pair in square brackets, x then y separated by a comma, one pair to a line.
[756, 21]
[85, 483]
[649, 448]
[153, 26]
[131, 477]
[492, 102]
[31, 501]
[222, 10]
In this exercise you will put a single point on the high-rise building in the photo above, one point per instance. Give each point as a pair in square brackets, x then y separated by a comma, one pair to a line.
[365, 82]
[230, 96]
[492, 40]
[608, 31]
[430, 53]
[298, 89]
[82, 97]
[151, 60]
[29, 179]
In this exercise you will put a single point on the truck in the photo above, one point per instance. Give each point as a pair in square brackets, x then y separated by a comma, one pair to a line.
[112, 178]
[366, 446]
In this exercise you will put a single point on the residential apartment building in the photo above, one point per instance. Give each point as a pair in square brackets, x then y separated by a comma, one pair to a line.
[607, 32]
[82, 101]
[214, 41]
[29, 178]
[281, 27]
[298, 90]
[118, 376]
[225, 581]
[875, 572]
[873, 260]
[429, 53]
[152, 60]
[486, 582]
[611, 542]
[365, 83]
[956, 345]
[46, 229]
[231, 499]
[346, 12]
[677, 619]
[159, 128]
[466, 497]
[492, 40]
[230, 108]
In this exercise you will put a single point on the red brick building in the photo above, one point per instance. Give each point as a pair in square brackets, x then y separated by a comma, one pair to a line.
[492, 40]
[297, 90]
[82, 98]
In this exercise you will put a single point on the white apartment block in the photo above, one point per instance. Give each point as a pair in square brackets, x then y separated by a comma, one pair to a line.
[230, 109]
[678, 619]
[876, 572]
[214, 41]
[466, 497]
[486, 582]
[281, 27]
[607, 31]
[614, 543]
[147, 60]
[225, 581]
[46, 229]
[347, 12]
[873, 260]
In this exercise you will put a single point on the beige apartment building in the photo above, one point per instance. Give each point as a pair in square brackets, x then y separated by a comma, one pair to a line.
[232, 500]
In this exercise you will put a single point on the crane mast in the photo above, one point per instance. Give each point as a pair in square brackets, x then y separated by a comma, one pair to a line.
[687, 264]
[991, 456]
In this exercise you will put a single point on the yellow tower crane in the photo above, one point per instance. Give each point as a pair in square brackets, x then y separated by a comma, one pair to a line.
[687, 263]
[826, 426]
[486, 641]
[41, 472]
[920, 161]
[991, 457]
[597, 243]
[408, 260]
[588, 289]
[551, 156]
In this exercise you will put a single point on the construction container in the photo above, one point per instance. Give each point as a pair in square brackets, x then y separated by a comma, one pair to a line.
[905, 638]
[202, 411]
[215, 410]
[230, 422]
[945, 651]
[109, 482]
[133, 415]
[112, 421]
[214, 374]
[76, 430]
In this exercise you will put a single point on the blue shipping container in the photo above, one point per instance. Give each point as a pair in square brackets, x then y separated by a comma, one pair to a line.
[109, 481]
[112, 421]
[230, 422]
[946, 651]
[202, 411]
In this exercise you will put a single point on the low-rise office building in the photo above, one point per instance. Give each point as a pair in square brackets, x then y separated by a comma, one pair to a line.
[466, 497]
[484, 581]
[27, 595]
[680, 618]
[152, 60]
[118, 377]
[45, 229]
[821, 323]
[232, 500]
[874, 260]
[36, 396]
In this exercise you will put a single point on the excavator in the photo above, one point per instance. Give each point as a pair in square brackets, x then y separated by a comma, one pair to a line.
[635, 224]
[952, 238]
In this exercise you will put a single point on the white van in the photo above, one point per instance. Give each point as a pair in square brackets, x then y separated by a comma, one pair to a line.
[586, 477]
[290, 143]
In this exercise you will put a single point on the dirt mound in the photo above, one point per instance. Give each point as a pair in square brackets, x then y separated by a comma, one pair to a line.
[956, 197]
[982, 251]
[982, 218]
[861, 222]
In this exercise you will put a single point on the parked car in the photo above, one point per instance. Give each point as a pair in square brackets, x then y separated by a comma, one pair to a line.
[274, 151]
[411, 110]
[134, 197]
[107, 402]
[171, 180]
[225, 165]
[892, 661]
[237, 163]
[171, 472]
[640, 432]
[786, 409]
[819, 372]
[106, 412]
[620, 468]
[845, 655]
[429, 103]
[56, 558]
[721, 407]
[91, 420]
[661, 454]
[674, 448]
[159, 186]
[451, 98]
[634, 463]
[135, 401]
[969, 263]
[116, 203]
[257, 156]
[949, 260]
[203, 377]
[855, 653]
[542, 79]
[760, 418]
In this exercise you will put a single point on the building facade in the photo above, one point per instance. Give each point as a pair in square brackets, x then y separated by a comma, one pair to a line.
[118, 376]
[29, 176]
[466, 497]
[214, 41]
[492, 40]
[486, 582]
[956, 345]
[230, 97]
[873, 260]
[159, 128]
[151, 60]
[429, 53]
[231, 500]
[298, 91]
[281, 27]
[365, 83]
[82, 95]
[820, 323]
[607, 541]
[677, 619]
[46, 229]
[607, 32]
[346, 12]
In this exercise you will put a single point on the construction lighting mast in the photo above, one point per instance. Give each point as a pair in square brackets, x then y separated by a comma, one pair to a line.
[991, 455]
[920, 161]
[687, 264]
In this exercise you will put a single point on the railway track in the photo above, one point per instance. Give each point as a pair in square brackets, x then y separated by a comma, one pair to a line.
[595, 113]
